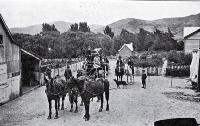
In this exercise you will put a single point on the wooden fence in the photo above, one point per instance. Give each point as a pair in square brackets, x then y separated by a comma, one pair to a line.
[74, 67]
[178, 71]
[152, 71]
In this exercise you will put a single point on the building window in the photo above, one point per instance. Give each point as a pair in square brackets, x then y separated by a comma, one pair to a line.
[1, 39]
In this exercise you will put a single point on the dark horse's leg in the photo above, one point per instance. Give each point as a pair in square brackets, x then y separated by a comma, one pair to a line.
[101, 107]
[49, 100]
[63, 99]
[87, 106]
[121, 77]
[98, 98]
[71, 100]
[58, 103]
[127, 77]
[76, 101]
[56, 108]
[107, 85]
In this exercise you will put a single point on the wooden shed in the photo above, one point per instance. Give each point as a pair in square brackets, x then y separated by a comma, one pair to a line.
[191, 39]
[12, 64]
[126, 50]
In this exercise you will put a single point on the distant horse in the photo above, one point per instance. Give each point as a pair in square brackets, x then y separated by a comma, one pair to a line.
[128, 73]
[55, 87]
[105, 68]
[90, 89]
[119, 72]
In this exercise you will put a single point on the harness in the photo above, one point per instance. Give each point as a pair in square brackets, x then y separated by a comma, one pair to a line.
[85, 90]
[50, 82]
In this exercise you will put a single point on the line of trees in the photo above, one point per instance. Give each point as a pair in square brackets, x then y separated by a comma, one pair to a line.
[146, 41]
[82, 26]
[50, 43]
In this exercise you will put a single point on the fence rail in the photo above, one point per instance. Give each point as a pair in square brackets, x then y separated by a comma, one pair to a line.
[149, 70]
[61, 70]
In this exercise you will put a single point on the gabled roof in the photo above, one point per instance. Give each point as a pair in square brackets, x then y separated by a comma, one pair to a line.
[130, 46]
[32, 54]
[5, 27]
[189, 31]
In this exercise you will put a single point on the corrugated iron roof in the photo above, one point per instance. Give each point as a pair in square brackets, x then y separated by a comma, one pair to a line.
[188, 31]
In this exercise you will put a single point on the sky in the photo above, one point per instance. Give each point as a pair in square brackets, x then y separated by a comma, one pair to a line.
[21, 13]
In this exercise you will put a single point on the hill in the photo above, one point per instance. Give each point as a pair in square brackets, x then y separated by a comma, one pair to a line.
[130, 24]
[175, 24]
[62, 26]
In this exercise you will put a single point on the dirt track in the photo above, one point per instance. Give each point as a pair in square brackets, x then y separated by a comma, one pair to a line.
[133, 106]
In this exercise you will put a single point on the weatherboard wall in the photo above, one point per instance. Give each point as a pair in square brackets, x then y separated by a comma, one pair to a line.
[9, 68]
[192, 42]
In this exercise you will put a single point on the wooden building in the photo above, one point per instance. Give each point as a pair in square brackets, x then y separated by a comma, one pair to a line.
[191, 39]
[126, 50]
[15, 65]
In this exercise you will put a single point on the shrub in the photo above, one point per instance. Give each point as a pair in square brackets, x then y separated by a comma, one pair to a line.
[179, 58]
[148, 62]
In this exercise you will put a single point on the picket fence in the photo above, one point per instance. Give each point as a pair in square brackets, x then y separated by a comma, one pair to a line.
[74, 67]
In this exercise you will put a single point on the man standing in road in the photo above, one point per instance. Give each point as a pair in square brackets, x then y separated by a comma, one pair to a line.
[144, 76]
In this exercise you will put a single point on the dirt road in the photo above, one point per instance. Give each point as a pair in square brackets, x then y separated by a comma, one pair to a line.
[133, 106]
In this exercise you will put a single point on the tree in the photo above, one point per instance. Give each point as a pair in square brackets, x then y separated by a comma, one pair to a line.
[74, 27]
[108, 31]
[164, 41]
[170, 33]
[84, 27]
[47, 27]
[141, 40]
[179, 46]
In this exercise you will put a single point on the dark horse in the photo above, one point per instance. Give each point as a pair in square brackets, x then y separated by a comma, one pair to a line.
[90, 89]
[119, 72]
[73, 94]
[55, 88]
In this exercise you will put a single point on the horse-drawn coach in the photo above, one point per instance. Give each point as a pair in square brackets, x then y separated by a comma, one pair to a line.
[90, 82]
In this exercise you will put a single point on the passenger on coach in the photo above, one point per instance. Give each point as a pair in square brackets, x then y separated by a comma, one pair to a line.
[96, 65]
[68, 73]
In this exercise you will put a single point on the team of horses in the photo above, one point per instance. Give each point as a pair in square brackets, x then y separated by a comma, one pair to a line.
[87, 88]
[84, 85]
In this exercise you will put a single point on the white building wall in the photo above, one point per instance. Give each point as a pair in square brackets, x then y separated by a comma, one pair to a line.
[9, 68]
[125, 52]
[192, 42]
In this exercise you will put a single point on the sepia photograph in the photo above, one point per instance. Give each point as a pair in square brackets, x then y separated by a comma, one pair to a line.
[99, 63]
